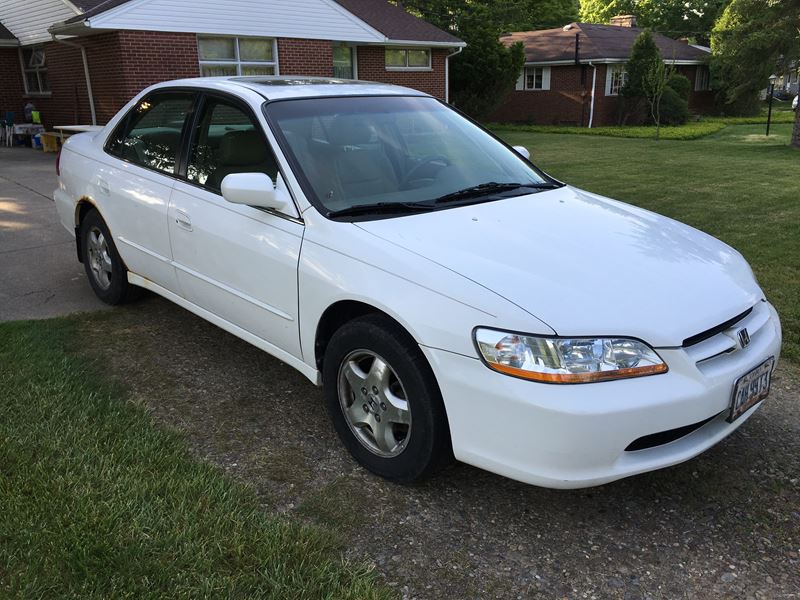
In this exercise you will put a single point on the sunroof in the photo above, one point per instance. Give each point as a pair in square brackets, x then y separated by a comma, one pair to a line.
[296, 81]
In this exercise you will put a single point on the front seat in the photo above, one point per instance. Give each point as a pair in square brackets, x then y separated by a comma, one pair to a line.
[242, 152]
[361, 166]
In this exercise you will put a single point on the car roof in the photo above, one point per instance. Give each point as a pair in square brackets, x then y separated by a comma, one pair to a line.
[279, 87]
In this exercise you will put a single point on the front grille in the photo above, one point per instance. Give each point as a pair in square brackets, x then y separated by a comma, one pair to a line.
[709, 333]
[665, 437]
[713, 347]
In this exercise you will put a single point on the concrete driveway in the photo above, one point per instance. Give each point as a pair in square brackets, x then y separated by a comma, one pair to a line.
[40, 276]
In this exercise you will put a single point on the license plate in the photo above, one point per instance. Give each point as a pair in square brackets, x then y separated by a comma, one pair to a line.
[750, 389]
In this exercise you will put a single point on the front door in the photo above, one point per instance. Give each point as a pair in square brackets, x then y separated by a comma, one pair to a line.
[238, 262]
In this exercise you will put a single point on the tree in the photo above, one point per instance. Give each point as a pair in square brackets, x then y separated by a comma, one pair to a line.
[692, 19]
[654, 83]
[751, 40]
[486, 71]
[503, 15]
[651, 81]
[645, 58]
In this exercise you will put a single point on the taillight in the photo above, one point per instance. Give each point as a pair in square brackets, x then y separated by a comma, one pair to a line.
[58, 162]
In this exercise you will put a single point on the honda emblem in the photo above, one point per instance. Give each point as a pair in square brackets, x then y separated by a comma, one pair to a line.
[744, 337]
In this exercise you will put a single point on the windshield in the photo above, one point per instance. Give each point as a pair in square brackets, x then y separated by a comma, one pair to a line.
[395, 152]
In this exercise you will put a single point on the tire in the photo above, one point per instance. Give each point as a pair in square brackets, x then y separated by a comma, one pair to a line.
[107, 274]
[400, 445]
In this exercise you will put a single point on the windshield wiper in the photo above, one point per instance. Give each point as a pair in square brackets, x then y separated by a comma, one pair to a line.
[491, 187]
[381, 208]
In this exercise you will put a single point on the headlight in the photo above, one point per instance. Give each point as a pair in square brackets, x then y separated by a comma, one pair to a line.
[566, 360]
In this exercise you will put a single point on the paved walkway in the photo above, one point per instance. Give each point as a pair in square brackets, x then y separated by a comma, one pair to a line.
[40, 276]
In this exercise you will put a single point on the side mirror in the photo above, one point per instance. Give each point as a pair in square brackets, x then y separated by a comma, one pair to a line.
[254, 189]
[523, 152]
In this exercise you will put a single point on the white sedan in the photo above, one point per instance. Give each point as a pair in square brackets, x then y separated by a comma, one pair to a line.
[451, 298]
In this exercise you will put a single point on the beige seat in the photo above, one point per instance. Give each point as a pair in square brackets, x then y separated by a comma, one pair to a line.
[361, 165]
[242, 152]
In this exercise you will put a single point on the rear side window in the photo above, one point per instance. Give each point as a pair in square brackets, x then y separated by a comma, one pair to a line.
[150, 134]
[226, 141]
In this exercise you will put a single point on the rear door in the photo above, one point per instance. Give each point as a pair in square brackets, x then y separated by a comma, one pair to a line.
[238, 262]
[135, 189]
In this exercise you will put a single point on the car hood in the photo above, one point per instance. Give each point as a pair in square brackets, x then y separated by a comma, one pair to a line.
[584, 264]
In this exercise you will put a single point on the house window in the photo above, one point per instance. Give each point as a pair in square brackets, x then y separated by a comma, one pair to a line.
[534, 78]
[225, 56]
[537, 78]
[34, 70]
[616, 79]
[410, 59]
[702, 79]
[344, 62]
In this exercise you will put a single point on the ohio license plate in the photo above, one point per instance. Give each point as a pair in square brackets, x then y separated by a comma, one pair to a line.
[750, 389]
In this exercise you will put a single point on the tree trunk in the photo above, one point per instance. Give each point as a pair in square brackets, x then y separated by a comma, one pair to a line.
[796, 132]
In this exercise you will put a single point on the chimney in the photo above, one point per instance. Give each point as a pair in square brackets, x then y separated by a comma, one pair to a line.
[623, 21]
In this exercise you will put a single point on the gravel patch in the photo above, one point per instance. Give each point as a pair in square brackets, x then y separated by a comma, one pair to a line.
[724, 525]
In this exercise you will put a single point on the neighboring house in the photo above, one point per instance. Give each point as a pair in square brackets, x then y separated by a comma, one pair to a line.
[788, 83]
[573, 74]
[80, 61]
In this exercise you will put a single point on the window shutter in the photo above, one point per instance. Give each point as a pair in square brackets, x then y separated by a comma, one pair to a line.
[546, 78]
[521, 80]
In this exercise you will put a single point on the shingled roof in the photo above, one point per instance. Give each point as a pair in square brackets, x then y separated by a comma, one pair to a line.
[389, 19]
[597, 43]
[395, 23]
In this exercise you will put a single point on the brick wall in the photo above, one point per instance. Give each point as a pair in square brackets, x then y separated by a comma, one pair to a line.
[568, 100]
[699, 102]
[11, 89]
[562, 104]
[123, 63]
[372, 67]
[305, 57]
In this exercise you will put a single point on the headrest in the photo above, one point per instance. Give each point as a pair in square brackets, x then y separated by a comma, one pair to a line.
[240, 148]
[350, 130]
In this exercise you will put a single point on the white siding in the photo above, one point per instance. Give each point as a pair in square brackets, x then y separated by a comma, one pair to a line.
[28, 20]
[309, 19]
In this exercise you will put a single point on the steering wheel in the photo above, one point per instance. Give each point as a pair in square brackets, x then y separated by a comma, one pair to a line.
[431, 159]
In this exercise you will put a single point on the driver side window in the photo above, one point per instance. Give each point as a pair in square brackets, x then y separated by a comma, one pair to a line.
[227, 141]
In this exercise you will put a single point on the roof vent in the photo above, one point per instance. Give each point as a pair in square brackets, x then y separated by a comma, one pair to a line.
[623, 21]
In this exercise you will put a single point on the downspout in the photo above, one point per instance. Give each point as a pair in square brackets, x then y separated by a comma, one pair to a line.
[85, 72]
[594, 84]
[447, 74]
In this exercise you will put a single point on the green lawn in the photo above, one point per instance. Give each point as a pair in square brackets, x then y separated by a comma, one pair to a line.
[96, 502]
[736, 184]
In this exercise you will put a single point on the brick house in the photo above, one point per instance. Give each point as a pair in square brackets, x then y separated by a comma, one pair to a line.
[573, 74]
[80, 61]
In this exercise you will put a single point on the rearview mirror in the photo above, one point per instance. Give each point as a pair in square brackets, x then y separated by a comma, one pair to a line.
[523, 152]
[254, 189]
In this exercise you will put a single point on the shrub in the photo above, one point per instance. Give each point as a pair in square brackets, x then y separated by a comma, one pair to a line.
[681, 84]
[674, 109]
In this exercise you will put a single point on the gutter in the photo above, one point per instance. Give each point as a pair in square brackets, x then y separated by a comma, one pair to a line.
[85, 72]
[447, 73]
[594, 85]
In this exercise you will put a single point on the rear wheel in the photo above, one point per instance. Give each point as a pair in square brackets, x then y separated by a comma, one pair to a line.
[384, 400]
[107, 273]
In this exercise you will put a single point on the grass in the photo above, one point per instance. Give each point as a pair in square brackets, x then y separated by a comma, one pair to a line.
[98, 503]
[692, 130]
[736, 184]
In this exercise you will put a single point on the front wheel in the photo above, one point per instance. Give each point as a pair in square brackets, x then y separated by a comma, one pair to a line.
[384, 400]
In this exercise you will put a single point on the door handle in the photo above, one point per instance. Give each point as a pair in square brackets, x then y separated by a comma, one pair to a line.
[103, 185]
[182, 220]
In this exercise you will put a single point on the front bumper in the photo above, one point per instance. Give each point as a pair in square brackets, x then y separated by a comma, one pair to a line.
[573, 436]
